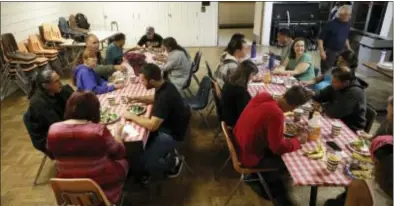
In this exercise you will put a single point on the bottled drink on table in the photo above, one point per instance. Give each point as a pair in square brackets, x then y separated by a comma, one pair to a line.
[271, 62]
[314, 127]
[267, 77]
[253, 50]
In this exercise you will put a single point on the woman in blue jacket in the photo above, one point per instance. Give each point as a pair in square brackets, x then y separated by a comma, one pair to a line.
[86, 79]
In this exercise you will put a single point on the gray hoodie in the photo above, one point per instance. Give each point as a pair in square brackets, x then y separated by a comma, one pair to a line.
[348, 104]
[228, 65]
[178, 67]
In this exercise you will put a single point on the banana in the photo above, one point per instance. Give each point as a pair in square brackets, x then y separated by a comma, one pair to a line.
[361, 158]
[318, 153]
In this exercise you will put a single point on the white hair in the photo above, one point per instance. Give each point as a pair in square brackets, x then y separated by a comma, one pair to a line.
[343, 8]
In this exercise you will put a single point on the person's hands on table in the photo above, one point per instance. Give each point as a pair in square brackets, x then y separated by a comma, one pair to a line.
[129, 116]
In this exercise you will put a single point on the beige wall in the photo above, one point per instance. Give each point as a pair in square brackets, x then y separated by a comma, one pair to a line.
[236, 12]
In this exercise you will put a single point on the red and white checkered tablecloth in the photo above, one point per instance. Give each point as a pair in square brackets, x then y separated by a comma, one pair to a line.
[307, 172]
[134, 90]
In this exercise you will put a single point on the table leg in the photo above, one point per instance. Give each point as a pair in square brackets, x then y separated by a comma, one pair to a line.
[313, 197]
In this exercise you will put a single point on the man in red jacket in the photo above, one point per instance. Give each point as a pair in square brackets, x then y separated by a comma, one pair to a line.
[259, 132]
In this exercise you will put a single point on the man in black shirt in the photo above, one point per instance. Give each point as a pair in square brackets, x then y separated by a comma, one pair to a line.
[150, 39]
[167, 125]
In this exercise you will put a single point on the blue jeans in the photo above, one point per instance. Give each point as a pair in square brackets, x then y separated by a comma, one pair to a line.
[155, 155]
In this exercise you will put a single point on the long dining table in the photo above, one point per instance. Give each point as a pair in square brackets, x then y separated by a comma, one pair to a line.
[305, 171]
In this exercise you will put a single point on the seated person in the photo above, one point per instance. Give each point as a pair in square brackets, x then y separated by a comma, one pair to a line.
[345, 59]
[386, 128]
[284, 42]
[114, 54]
[167, 125]
[377, 191]
[150, 39]
[259, 136]
[235, 95]
[236, 52]
[84, 148]
[86, 79]
[47, 103]
[178, 64]
[298, 63]
[102, 69]
[344, 99]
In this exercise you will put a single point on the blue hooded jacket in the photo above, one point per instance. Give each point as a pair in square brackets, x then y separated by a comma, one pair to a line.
[87, 79]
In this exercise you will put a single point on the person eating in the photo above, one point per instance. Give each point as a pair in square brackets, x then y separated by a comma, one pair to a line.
[177, 65]
[84, 148]
[150, 39]
[86, 79]
[167, 124]
[344, 99]
[298, 63]
[259, 136]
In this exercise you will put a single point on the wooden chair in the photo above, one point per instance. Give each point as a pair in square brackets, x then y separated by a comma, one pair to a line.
[81, 191]
[240, 169]
[40, 61]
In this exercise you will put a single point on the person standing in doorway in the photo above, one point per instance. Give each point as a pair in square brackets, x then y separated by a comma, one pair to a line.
[334, 38]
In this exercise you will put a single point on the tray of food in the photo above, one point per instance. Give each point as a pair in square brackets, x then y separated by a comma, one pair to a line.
[137, 109]
[107, 117]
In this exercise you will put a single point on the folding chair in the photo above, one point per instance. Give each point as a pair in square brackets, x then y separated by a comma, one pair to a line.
[199, 102]
[81, 191]
[240, 169]
[197, 59]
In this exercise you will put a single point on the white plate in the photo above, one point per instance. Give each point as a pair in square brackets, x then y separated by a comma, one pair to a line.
[388, 66]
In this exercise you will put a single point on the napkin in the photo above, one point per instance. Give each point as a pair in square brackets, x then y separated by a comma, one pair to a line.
[256, 84]
[128, 130]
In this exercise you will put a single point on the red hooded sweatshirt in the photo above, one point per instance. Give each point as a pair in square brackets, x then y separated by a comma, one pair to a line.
[260, 126]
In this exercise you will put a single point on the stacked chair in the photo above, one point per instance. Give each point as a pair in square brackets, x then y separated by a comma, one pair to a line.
[18, 66]
[35, 46]
[40, 60]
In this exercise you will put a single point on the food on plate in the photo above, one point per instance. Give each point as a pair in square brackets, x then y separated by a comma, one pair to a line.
[136, 109]
[318, 153]
[360, 171]
[291, 128]
[108, 117]
[359, 146]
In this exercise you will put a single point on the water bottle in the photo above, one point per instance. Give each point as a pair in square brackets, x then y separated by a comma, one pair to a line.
[271, 62]
[382, 56]
[253, 50]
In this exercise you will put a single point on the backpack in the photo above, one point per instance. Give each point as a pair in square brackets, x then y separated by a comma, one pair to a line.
[67, 32]
[82, 21]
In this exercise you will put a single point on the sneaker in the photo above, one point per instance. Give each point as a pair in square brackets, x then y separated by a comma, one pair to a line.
[174, 172]
[145, 180]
